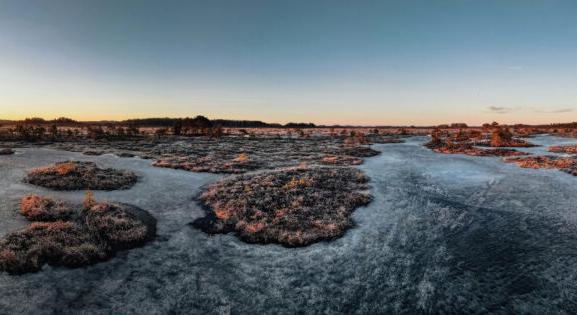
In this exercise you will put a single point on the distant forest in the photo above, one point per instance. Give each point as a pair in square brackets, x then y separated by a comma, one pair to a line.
[163, 122]
[203, 122]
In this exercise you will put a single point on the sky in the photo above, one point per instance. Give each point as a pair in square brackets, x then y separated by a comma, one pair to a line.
[404, 62]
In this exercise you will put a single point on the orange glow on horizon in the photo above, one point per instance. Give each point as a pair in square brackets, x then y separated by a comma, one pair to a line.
[353, 121]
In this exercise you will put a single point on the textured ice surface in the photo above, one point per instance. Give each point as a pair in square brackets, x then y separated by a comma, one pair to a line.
[445, 233]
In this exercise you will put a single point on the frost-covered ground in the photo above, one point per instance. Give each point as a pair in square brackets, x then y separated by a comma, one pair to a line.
[445, 233]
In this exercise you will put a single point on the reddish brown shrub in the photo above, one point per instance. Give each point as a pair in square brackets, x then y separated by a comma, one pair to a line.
[545, 162]
[73, 175]
[571, 149]
[89, 237]
[293, 207]
[36, 208]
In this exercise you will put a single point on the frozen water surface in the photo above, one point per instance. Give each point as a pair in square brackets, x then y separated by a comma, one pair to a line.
[445, 233]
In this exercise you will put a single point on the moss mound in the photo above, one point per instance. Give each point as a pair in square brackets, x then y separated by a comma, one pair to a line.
[293, 207]
[80, 237]
[73, 175]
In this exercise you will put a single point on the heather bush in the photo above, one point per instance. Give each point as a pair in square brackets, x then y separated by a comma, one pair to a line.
[556, 162]
[569, 149]
[293, 207]
[56, 243]
[120, 226]
[37, 208]
[72, 238]
[73, 175]
[460, 143]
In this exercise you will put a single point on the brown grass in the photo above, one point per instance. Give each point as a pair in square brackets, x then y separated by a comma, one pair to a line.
[36, 208]
[56, 243]
[74, 175]
[118, 226]
[88, 237]
[66, 168]
[545, 162]
[460, 143]
[570, 149]
[293, 207]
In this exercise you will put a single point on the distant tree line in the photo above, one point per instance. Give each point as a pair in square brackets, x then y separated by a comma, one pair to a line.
[35, 121]
[203, 122]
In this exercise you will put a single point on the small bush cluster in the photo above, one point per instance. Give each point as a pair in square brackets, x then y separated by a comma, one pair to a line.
[239, 152]
[57, 243]
[293, 207]
[74, 175]
[240, 164]
[359, 151]
[535, 162]
[450, 147]
[341, 160]
[461, 143]
[72, 237]
[119, 226]
[37, 208]
[569, 149]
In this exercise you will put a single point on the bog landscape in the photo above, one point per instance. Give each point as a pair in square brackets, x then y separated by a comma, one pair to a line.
[185, 214]
[288, 157]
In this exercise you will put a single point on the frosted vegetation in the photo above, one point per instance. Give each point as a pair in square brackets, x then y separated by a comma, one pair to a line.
[293, 207]
[444, 233]
[72, 236]
[74, 175]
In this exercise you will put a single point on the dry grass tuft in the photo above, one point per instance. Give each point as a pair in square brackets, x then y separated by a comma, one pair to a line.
[565, 164]
[242, 158]
[85, 238]
[65, 168]
[36, 208]
[569, 149]
[237, 155]
[120, 226]
[293, 207]
[545, 162]
[88, 201]
[57, 243]
[447, 143]
[73, 175]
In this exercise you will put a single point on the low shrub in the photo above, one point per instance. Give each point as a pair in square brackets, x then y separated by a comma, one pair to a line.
[36, 208]
[569, 149]
[56, 243]
[89, 236]
[293, 207]
[73, 175]
[544, 162]
[120, 226]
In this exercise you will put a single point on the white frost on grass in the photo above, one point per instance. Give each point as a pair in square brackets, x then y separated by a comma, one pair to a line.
[439, 233]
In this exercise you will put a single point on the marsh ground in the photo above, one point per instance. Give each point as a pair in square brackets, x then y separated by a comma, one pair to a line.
[444, 233]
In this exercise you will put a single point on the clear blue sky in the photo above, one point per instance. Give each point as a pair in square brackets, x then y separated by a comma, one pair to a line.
[361, 62]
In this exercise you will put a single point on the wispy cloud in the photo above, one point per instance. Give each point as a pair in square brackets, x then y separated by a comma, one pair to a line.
[500, 110]
[506, 110]
[555, 111]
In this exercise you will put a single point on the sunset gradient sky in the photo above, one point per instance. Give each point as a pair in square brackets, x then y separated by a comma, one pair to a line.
[350, 62]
